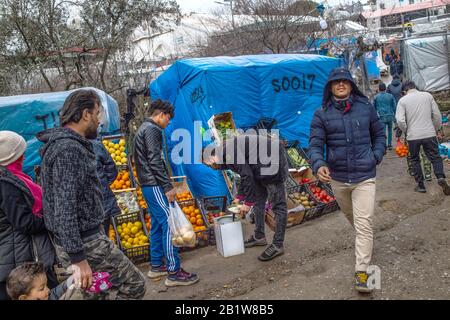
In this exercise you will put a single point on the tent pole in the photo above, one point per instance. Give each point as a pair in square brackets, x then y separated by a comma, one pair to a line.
[448, 54]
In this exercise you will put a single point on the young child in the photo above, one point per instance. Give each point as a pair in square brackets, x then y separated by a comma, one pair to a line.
[29, 282]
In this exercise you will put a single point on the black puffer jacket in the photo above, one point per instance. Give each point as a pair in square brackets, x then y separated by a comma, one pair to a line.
[150, 165]
[107, 173]
[23, 236]
[395, 88]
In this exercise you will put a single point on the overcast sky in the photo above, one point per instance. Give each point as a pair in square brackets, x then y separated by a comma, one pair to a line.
[204, 6]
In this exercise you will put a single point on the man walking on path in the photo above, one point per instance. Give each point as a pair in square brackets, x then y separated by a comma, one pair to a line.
[419, 117]
[349, 127]
[385, 105]
[395, 88]
[158, 193]
[72, 198]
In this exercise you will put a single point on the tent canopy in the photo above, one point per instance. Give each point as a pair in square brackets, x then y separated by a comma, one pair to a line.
[286, 87]
[29, 114]
[426, 62]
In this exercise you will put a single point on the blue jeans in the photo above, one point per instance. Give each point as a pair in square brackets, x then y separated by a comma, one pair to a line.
[160, 238]
[388, 127]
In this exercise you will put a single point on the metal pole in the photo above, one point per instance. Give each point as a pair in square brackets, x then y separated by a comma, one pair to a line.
[232, 14]
[448, 54]
[403, 24]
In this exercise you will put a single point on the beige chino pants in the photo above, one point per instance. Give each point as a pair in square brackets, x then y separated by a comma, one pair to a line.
[357, 201]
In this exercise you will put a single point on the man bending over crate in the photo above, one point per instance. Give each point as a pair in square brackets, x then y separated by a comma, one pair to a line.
[72, 198]
[261, 163]
[158, 192]
[349, 127]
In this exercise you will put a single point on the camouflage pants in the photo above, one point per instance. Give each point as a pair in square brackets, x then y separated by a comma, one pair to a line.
[103, 256]
[425, 164]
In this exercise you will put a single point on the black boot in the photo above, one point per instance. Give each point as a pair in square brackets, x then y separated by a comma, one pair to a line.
[420, 188]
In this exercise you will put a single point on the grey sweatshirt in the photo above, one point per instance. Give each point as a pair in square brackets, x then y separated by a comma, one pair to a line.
[418, 115]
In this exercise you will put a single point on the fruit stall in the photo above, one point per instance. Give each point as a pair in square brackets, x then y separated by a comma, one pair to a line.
[129, 230]
[307, 198]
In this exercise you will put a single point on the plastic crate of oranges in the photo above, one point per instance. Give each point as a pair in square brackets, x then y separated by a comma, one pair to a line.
[195, 216]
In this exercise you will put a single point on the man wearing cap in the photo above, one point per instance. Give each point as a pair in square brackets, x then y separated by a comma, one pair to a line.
[348, 127]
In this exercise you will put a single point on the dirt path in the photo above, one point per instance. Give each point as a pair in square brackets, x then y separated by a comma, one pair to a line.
[412, 241]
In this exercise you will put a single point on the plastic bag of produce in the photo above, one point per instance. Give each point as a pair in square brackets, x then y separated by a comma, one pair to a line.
[181, 229]
[401, 149]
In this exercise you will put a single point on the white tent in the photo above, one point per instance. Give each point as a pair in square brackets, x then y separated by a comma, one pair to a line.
[427, 62]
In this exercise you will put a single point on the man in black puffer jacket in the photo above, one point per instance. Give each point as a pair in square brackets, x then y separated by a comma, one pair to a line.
[395, 88]
[73, 198]
[349, 127]
[107, 174]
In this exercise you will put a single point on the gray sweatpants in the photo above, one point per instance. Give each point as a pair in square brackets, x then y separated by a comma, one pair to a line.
[277, 196]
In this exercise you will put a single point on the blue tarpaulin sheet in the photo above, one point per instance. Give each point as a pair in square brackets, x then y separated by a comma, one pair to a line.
[285, 87]
[373, 72]
[24, 114]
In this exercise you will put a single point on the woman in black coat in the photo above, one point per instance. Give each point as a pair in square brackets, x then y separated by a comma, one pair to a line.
[23, 236]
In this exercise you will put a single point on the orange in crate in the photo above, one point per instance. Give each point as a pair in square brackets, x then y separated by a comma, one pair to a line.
[122, 181]
[183, 196]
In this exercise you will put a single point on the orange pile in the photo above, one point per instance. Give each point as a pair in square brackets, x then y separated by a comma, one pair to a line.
[147, 222]
[122, 181]
[112, 234]
[194, 217]
[141, 200]
[183, 196]
[402, 151]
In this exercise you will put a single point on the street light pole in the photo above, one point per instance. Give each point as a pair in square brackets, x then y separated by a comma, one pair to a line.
[231, 8]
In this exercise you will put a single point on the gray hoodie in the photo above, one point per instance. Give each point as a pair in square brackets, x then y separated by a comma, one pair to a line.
[72, 193]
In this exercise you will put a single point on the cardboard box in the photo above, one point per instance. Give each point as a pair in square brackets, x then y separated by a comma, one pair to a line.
[216, 119]
[306, 173]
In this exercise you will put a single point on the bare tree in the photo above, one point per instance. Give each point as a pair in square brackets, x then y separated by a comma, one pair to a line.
[39, 43]
[268, 26]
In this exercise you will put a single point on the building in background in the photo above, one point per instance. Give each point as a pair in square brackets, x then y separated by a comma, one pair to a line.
[393, 17]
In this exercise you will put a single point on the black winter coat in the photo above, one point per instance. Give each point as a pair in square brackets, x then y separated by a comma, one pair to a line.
[354, 139]
[23, 236]
[107, 174]
[247, 162]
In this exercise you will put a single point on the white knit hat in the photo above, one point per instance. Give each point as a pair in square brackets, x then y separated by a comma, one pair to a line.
[12, 147]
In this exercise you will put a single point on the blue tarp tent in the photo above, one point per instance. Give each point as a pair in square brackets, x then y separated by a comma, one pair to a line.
[287, 88]
[29, 114]
[373, 73]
